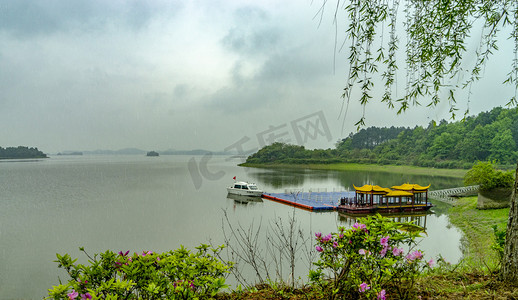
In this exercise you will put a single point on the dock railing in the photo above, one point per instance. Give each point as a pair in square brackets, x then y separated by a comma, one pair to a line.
[447, 195]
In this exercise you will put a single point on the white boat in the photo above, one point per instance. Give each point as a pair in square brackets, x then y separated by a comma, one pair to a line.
[245, 189]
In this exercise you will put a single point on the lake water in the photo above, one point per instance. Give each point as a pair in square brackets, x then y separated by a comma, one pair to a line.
[136, 203]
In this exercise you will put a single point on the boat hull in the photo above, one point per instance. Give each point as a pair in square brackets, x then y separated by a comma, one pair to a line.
[243, 192]
[354, 209]
[244, 199]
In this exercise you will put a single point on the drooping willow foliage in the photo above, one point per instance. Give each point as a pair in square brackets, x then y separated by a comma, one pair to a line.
[436, 46]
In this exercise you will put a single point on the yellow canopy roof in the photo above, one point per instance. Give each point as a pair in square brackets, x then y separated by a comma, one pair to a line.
[399, 194]
[371, 189]
[411, 187]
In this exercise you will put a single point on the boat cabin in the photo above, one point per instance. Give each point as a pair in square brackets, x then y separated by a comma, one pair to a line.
[245, 186]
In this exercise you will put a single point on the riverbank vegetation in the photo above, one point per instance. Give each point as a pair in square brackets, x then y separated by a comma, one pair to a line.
[474, 277]
[366, 261]
[21, 152]
[488, 136]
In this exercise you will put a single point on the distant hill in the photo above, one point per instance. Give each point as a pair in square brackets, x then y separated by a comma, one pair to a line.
[136, 151]
[125, 151]
[21, 152]
[70, 153]
[192, 152]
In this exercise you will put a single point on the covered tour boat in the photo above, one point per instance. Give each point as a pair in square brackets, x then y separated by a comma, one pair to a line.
[373, 198]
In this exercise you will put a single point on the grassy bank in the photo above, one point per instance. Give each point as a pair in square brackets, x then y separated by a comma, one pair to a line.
[476, 276]
[477, 228]
[458, 173]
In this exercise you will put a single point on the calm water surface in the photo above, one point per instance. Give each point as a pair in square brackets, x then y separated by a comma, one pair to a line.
[156, 203]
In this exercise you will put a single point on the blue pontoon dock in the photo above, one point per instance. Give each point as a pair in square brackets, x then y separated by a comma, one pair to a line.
[315, 201]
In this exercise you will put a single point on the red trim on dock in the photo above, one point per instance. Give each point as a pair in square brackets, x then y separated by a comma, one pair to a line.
[303, 206]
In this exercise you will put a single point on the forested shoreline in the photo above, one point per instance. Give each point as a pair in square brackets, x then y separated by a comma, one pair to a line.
[21, 152]
[488, 136]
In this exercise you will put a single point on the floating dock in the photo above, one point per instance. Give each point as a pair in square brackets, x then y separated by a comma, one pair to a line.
[314, 201]
[349, 202]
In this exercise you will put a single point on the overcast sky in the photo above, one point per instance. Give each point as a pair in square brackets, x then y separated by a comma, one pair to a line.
[92, 74]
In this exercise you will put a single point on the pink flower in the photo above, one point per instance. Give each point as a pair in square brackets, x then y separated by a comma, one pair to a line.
[384, 241]
[335, 244]
[319, 249]
[72, 295]
[414, 255]
[359, 226]
[327, 238]
[318, 235]
[384, 251]
[362, 252]
[381, 295]
[418, 254]
[431, 263]
[341, 236]
[86, 296]
[397, 251]
[363, 287]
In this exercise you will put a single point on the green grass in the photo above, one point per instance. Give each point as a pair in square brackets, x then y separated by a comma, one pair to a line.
[457, 173]
[477, 228]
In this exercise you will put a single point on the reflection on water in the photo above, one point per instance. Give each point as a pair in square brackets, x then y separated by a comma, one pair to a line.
[418, 219]
[242, 199]
[286, 177]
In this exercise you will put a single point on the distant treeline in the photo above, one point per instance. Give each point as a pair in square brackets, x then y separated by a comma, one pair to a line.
[488, 136]
[21, 152]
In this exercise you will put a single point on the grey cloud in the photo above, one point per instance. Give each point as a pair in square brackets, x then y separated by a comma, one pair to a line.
[180, 90]
[300, 66]
[245, 98]
[282, 73]
[27, 18]
[251, 42]
[246, 14]
[253, 34]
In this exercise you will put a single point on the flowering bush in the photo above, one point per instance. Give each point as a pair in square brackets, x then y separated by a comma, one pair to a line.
[178, 274]
[368, 260]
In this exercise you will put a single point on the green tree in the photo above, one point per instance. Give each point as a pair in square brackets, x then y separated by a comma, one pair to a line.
[437, 38]
[502, 147]
[485, 175]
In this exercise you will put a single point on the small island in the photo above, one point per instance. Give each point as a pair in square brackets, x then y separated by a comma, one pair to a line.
[21, 152]
[152, 153]
[71, 153]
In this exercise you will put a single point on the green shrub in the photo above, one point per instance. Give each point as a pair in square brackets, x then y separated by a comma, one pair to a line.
[499, 243]
[368, 261]
[178, 274]
[485, 175]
